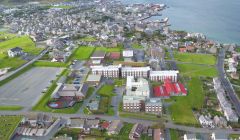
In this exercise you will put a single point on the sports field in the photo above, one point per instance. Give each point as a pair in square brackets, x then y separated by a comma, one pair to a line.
[195, 70]
[181, 110]
[195, 58]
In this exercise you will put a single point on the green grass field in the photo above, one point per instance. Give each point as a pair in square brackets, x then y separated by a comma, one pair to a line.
[8, 125]
[197, 70]
[13, 41]
[83, 53]
[116, 49]
[11, 108]
[49, 64]
[137, 46]
[174, 134]
[181, 110]
[126, 129]
[195, 58]
[106, 90]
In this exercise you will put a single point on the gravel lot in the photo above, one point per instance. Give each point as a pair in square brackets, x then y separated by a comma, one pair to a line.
[26, 89]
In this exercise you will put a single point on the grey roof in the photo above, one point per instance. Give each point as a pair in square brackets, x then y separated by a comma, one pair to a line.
[98, 54]
[94, 78]
[16, 49]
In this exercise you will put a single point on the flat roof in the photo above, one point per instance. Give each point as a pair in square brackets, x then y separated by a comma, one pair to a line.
[94, 78]
[98, 54]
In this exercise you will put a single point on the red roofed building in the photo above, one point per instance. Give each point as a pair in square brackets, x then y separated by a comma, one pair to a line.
[105, 125]
[169, 89]
[160, 91]
[115, 55]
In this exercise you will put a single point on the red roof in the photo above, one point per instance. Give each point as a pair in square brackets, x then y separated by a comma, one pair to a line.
[160, 91]
[183, 90]
[105, 125]
[115, 55]
[169, 88]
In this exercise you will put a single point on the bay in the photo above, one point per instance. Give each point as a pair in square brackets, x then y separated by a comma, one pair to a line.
[218, 19]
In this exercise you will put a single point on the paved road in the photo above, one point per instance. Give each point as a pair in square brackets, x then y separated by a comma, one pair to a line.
[226, 83]
[117, 99]
[173, 63]
[24, 66]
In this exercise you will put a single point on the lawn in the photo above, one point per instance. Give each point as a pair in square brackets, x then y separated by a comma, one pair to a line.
[106, 49]
[49, 64]
[106, 91]
[119, 82]
[197, 70]
[11, 108]
[13, 63]
[24, 42]
[83, 53]
[195, 58]
[104, 106]
[90, 92]
[234, 136]
[126, 129]
[141, 116]
[137, 46]
[174, 134]
[8, 125]
[72, 132]
[181, 109]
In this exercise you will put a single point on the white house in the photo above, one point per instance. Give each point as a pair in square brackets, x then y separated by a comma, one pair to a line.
[127, 53]
[205, 121]
[15, 52]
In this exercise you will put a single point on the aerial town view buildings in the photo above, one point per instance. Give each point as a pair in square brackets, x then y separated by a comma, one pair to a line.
[104, 69]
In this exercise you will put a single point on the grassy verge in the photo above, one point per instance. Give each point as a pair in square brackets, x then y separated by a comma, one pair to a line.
[141, 115]
[234, 136]
[49, 64]
[174, 134]
[8, 125]
[11, 108]
[89, 92]
[106, 90]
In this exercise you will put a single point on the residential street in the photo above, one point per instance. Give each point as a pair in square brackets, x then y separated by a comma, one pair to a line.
[226, 83]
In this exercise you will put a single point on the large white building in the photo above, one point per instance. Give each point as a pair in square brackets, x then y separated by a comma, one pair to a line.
[162, 75]
[137, 87]
[106, 71]
[135, 71]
